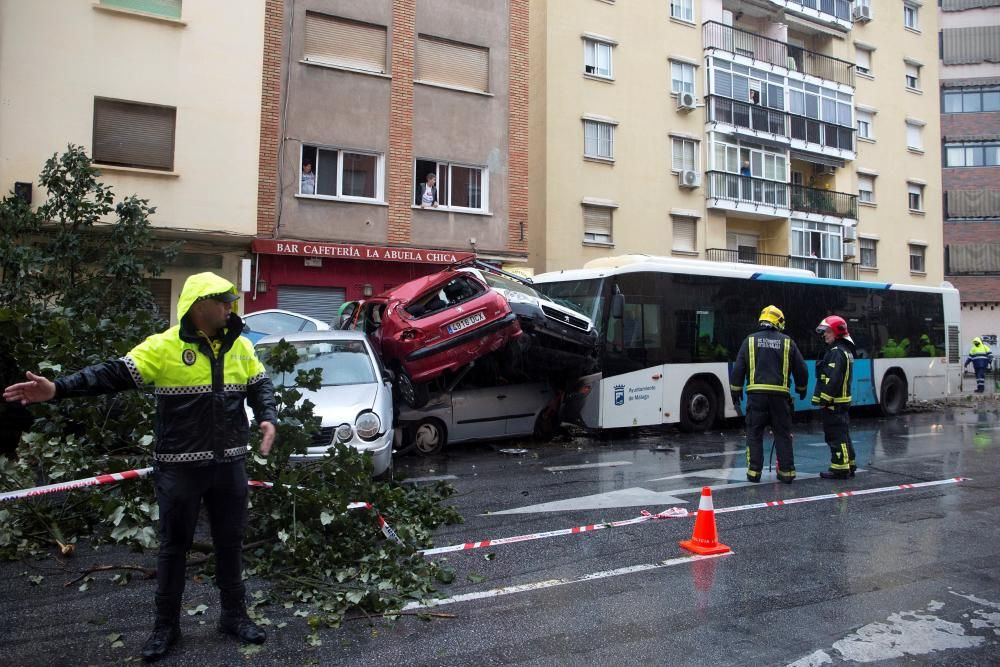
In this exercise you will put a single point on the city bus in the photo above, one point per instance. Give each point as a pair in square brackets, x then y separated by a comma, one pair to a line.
[670, 330]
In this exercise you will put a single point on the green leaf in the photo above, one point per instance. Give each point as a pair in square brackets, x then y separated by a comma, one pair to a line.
[326, 518]
[36, 580]
[475, 578]
[249, 650]
[354, 597]
[198, 611]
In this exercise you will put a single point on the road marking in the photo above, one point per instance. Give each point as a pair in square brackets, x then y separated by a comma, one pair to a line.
[632, 497]
[735, 452]
[432, 478]
[582, 466]
[551, 583]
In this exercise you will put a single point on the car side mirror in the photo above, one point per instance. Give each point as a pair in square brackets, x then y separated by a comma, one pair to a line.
[388, 376]
[618, 306]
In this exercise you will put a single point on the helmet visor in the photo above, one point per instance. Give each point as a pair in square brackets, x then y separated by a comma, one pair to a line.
[822, 329]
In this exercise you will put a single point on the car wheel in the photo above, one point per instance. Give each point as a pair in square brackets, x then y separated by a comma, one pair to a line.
[429, 437]
[892, 398]
[415, 395]
[699, 406]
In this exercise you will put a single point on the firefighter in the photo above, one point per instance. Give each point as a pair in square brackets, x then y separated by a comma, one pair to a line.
[833, 395]
[980, 356]
[766, 361]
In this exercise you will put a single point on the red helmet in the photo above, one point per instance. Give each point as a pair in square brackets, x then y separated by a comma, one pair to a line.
[834, 323]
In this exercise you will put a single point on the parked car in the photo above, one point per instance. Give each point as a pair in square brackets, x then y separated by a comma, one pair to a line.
[354, 402]
[468, 414]
[433, 326]
[274, 321]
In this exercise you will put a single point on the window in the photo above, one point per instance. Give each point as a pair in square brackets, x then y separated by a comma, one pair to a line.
[331, 172]
[685, 233]
[452, 64]
[972, 154]
[682, 9]
[913, 76]
[817, 240]
[598, 140]
[869, 253]
[862, 60]
[681, 77]
[914, 136]
[864, 121]
[971, 100]
[911, 16]
[597, 58]
[344, 43]
[170, 9]
[684, 154]
[132, 134]
[745, 246]
[597, 223]
[866, 188]
[917, 253]
[461, 187]
[915, 196]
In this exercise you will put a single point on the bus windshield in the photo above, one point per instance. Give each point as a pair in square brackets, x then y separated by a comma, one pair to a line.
[583, 296]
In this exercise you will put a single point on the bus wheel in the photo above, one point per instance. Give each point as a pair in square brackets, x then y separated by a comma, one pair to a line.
[892, 398]
[699, 406]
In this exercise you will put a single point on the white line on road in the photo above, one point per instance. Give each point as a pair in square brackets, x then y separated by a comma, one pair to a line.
[735, 452]
[432, 478]
[550, 583]
[582, 466]
[934, 434]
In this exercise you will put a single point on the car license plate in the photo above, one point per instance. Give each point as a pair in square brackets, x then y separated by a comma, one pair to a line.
[465, 323]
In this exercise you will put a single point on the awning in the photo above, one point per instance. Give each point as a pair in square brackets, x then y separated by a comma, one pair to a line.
[296, 248]
[816, 158]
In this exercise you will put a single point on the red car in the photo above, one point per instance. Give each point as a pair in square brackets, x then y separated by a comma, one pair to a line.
[433, 326]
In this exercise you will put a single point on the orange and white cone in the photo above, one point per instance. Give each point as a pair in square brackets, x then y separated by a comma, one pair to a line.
[705, 539]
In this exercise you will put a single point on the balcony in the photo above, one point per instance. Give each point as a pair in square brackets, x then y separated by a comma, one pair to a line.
[754, 197]
[823, 268]
[794, 59]
[759, 120]
[835, 13]
[817, 136]
[824, 202]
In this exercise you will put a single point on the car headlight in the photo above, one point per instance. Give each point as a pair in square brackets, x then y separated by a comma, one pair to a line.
[517, 297]
[344, 433]
[368, 425]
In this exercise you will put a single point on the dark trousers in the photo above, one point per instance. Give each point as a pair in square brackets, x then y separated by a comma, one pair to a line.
[180, 490]
[774, 410]
[980, 379]
[837, 432]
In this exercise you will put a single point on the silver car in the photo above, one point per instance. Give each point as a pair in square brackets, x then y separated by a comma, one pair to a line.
[354, 402]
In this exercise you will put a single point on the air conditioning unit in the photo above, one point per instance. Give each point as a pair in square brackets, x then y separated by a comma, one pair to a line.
[850, 249]
[689, 179]
[862, 13]
[850, 233]
[686, 102]
[824, 170]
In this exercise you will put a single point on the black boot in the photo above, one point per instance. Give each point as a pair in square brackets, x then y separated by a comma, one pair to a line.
[786, 478]
[166, 630]
[235, 621]
[835, 474]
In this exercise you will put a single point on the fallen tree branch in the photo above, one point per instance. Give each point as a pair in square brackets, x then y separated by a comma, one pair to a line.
[149, 572]
[393, 614]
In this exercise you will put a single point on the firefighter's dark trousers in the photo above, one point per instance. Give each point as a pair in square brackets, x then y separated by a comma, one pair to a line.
[837, 432]
[774, 410]
[180, 490]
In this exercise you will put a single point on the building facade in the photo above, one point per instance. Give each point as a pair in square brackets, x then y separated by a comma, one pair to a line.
[164, 94]
[361, 102]
[778, 132]
[970, 136]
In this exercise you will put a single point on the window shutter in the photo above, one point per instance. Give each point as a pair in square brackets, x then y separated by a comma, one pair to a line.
[685, 234]
[453, 64]
[863, 58]
[597, 220]
[913, 136]
[131, 134]
[346, 43]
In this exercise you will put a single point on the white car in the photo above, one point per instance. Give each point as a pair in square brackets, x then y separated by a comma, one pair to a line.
[275, 321]
[354, 402]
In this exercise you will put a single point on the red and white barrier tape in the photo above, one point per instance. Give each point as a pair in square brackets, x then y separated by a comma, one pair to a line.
[679, 513]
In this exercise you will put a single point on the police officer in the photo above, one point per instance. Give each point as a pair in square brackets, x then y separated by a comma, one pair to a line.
[765, 361]
[833, 395]
[980, 356]
[200, 370]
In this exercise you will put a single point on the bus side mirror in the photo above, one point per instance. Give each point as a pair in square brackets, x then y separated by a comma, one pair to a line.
[618, 306]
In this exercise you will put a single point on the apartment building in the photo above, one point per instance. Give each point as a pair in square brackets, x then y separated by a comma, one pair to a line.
[361, 102]
[779, 132]
[164, 94]
[970, 136]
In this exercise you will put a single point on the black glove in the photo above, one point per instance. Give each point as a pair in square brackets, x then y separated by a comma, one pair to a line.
[802, 394]
[737, 397]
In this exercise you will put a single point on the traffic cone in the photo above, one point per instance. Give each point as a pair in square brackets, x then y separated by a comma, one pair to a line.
[705, 539]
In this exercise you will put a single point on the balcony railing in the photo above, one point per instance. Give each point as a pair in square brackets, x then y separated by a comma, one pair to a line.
[838, 8]
[825, 202]
[823, 268]
[747, 189]
[741, 42]
[828, 135]
[744, 114]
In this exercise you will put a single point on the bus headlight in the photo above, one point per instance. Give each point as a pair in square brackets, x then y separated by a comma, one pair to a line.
[368, 425]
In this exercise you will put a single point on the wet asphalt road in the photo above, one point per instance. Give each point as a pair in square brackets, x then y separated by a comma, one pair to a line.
[904, 577]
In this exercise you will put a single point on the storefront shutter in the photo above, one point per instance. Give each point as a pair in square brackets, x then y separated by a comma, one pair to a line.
[319, 302]
[134, 135]
[345, 43]
[453, 64]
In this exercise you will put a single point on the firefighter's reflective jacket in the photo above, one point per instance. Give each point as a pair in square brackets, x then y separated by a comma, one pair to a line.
[833, 375]
[767, 360]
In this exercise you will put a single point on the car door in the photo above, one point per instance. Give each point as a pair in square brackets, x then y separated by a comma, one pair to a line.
[478, 414]
[521, 404]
